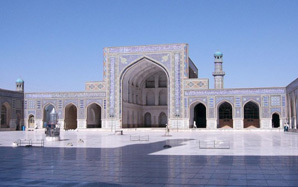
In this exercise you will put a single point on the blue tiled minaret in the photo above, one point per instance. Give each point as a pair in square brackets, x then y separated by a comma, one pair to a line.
[218, 72]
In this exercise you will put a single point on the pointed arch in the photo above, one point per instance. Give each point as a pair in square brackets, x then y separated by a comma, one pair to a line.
[46, 113]
[251, 112]
[192, 112]
[225, 115]
[5, 115]
[49, 103]
[142, 59]
[200, 115]
[147, 118]
[162, 119]
[70, 117]
[94, 114]
[31, 121]
[275, 120]
[139, 73]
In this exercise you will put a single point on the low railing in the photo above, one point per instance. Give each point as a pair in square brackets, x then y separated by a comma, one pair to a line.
[30, 142]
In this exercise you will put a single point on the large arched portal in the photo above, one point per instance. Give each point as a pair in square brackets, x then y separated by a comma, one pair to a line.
[144, 92]
[5, 115]
[94, 116]
[225, 119]
[200, 116]
[251, 115]
[70, 121]
[46, 114]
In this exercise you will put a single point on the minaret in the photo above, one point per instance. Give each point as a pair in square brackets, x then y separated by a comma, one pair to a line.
[20, 85]
[218, 73]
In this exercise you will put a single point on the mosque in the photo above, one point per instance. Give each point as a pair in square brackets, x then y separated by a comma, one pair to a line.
[148, 87]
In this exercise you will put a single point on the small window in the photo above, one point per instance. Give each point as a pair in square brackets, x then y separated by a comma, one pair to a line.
[162, 81]
[150, 82]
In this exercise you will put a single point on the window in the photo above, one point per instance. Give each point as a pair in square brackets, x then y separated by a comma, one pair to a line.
[150, 82]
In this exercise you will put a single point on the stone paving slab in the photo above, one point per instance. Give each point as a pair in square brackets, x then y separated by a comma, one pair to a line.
[112, 160]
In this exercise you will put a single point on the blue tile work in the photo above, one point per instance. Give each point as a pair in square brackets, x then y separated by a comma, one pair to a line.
[126, 60]
[275, 100]
[283, 101]
[186, 62]
[266, 101]
[134, 166]
[60, 105]
[253, 91]
[211, 102]
[38, 104]
[177, 84]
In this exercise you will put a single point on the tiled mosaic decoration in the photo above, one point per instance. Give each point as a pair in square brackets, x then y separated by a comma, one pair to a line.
[95, 86]
[275, 100]
[196, 84]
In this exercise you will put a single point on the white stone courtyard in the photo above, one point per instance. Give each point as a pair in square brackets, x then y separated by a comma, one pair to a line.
[245, 142]
[101, 158]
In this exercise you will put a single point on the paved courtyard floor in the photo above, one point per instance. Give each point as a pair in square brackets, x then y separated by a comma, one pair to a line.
[195, 158]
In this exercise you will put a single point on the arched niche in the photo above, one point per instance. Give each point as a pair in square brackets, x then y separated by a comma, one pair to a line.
[46, 114]
[31, 121]
[251, 115]
[5, 115]
[275, 120]
[144, 86]
[200, 117]
[147, 118]
[70, 120]
[225, 115]
[94, 116]
[163, 119]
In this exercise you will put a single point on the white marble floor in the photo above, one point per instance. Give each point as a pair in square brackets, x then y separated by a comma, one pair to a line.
[101, 158]
[257, 142]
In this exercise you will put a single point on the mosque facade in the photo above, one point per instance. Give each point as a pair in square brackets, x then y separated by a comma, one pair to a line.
[12, 107]
[154, 85]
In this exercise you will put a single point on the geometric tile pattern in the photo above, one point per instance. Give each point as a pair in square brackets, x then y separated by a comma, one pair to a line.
[220, 99]
[275, 100]
[265, 113]
[277, 110]
[211, 102]
[196, 84]
[196, 99]
[95, 86]
[265, 101]
[235, 91]
[238, 112]
[31, 104]
[257, 99]
[238, 102]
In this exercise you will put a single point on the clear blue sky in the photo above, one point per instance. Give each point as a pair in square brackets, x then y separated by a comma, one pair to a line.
[58, 45]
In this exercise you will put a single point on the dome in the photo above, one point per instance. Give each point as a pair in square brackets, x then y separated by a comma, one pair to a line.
[19, 80]
[218, 54]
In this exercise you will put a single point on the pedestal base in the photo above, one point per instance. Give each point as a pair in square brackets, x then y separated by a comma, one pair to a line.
[54, 138]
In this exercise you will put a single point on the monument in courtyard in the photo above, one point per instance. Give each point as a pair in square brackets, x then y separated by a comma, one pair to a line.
[52, 127]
